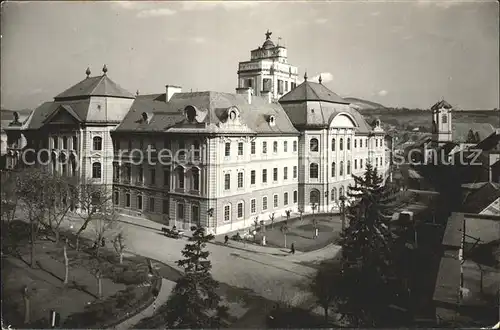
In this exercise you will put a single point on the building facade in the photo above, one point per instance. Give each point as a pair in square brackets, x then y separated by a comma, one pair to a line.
[220, 160]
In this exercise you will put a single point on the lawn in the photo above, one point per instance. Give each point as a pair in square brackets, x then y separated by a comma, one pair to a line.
[78, 302]
[300, 232]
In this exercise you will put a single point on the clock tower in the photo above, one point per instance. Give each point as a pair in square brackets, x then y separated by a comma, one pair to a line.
[441, 122]
[268, 72]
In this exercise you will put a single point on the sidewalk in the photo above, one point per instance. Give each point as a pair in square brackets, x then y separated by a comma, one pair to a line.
[166, 287]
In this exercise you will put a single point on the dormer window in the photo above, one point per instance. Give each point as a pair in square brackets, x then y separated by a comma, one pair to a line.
[144, 117]
[272, 121]
[190, 113]
[232, 115]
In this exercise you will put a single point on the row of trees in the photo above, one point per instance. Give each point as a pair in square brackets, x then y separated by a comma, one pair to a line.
[367, 282]
[46, 202]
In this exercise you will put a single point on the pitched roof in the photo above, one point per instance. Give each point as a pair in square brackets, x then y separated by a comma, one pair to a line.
[481, 198]
[169, 116]
[94, 86]
[460, 131]
[77, 108]
[441, 104]
[311, 91]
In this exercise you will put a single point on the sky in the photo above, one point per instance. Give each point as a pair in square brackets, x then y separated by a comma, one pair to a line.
[400, 54]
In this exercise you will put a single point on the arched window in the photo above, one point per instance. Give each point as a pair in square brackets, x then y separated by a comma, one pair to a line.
[74, 143]
[348, 167]
[341, 170]
[341, 146]
[64, 163]
[314, 196]
[355, 143]
[65, 142]
[341, 191]
[334, 194]
[313, 171]
[180, 177]
[195, 183]
[348, 144]
[333, 144]
[97, 143]
[334, 170]
[96, 170]
[314, 144]
[444, 118]
[53, 160]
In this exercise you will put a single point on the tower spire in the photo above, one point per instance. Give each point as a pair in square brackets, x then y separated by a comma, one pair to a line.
[305, 76]
[320, 79]
[87, 72]
[104, 69]
[268, 34]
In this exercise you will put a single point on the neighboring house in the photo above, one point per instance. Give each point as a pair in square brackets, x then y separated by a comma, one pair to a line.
[482, 198]
[467, 286]
[234, 158]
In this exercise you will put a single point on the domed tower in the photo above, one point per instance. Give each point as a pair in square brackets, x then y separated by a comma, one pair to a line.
[441, 122]
[268, 72]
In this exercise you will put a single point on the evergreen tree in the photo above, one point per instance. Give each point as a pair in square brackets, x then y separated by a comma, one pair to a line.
[194, 302]
[366, 287]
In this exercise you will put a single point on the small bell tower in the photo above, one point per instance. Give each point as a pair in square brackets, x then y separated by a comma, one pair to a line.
[442, 122]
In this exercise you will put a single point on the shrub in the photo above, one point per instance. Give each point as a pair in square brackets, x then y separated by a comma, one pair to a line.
[129, 274]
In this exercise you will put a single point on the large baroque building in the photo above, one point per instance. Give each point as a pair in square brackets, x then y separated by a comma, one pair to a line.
[216, 159]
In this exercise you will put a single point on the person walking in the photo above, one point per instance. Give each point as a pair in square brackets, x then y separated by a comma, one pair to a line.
[226, 239]
[292, 248]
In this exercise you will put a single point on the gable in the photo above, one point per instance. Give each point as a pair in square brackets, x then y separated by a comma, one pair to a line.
[342, 120]
[63, 115]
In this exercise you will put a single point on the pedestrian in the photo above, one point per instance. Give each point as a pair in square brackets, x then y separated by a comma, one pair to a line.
[226, 239]
[292, 249]
[316, 233]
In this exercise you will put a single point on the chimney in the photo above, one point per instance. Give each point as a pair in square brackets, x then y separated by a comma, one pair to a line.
[267, 95]
[170, 90]
[247, 91]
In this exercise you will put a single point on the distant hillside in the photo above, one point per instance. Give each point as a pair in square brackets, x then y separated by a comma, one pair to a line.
[364, 104]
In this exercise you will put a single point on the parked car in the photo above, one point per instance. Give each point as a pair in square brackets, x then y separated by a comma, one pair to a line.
[172, 233]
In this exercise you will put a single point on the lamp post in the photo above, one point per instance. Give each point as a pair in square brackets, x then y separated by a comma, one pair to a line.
[342, 205]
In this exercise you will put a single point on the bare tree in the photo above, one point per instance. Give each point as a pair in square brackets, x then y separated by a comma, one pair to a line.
[26, 297]
[58, 192]
[103, 227]
[271, 217]
[30, 190]
[93, 200]
[9, 196]
[284, 229]
[66, 262]
[119, 245]
[98, 276]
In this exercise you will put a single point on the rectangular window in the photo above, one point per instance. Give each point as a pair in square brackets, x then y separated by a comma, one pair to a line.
[139, 202]
[127, 200]
[252, 177]
[240, 210]
[65, 142]
[140, 175]
[280, 86]
[285, 146]
[264, 176]
[117, 198]
[355, 143]
[227, 151]
[227, 181]
[293, 85]
[355, 164]
[275, 200]
[264, 203]
[275, 146]
[275, 174]
[180, 211]
[151, 204]
[295, 172]
[195, 214]
[240, 180]
[294, 146]
[240, 148]
[295, 197]
[153, 176]
[166, 206]
[361, 162]
[285, 173]
[252, 147]
[286, 86]
[264, 147]
[227, 213]
[285, 198]
[252, 206]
